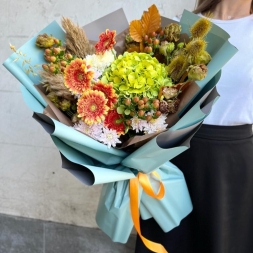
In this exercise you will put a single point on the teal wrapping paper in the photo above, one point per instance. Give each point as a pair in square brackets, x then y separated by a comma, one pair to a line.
[93, 163]
[113, 214]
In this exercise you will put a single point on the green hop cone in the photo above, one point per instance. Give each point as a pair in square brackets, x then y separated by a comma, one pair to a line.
[172, 31]
[197, 72]
[74, 118]
[45, 41]
[73, 107]
[166, 48]
[129, 39]
[203, 58]
[65, 105]
[180, 45]
[170, 47]
[163, 48]
[54, 98]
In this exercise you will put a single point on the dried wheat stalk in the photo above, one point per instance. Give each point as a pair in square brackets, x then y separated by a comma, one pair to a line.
[55, 82]
[77, 42]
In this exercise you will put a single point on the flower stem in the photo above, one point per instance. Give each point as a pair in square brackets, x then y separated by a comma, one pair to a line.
[115, 57]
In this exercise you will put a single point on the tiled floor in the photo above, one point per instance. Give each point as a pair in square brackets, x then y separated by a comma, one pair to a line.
[21, 235]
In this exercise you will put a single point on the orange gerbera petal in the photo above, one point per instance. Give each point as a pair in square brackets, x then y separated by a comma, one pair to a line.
[109, 92]
[114, 121]
[91, 107]
[77, 76]
[106, 41]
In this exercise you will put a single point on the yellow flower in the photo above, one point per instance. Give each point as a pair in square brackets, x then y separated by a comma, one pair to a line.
[78, 76]
[91, 107]
[201, 28]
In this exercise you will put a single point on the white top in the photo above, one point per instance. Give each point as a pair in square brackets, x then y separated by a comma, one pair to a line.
[235, 105]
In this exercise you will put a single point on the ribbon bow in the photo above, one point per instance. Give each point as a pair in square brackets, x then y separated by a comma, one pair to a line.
[143, 180]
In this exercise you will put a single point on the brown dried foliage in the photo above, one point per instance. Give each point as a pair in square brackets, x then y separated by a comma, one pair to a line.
[77, 42]
[150, 22]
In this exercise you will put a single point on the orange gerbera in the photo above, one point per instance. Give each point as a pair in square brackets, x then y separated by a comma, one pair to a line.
[91, 107]
[77, 76]
[115, 121]
[106, 41]
[109, 92]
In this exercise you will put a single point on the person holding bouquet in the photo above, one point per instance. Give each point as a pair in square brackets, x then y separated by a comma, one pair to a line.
[218, 167]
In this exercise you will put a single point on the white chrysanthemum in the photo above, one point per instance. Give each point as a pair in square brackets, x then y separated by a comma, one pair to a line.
[100, 61]
[136, 124]
[150, 113]
[93, 131]
[77, 96]
[97, 73]
[161, 120]
[156, 125]
[150, 128]
[96, 131]
[142, 124]
[109, 137]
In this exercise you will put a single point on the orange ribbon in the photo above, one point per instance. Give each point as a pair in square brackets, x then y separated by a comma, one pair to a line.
[134, 205]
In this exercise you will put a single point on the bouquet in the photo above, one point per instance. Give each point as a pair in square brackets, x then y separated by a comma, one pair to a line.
[118, 109]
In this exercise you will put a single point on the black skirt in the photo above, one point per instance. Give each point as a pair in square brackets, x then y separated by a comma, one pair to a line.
[218, 169]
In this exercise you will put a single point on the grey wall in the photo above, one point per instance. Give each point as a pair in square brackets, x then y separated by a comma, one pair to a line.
[32, 183]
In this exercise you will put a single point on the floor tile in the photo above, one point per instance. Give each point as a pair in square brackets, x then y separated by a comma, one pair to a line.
[18, 235]
[71, 239]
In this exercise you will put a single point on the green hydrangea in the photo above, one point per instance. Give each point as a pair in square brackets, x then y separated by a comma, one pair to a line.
[137, 74]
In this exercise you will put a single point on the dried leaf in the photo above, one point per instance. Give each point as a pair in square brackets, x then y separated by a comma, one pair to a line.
[23, 63]
[15, 59]
[12, 47]
[133, 48]
[136, 30]
[151, 20]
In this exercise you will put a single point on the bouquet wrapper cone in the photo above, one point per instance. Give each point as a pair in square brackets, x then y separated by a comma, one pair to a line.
[93, 163]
